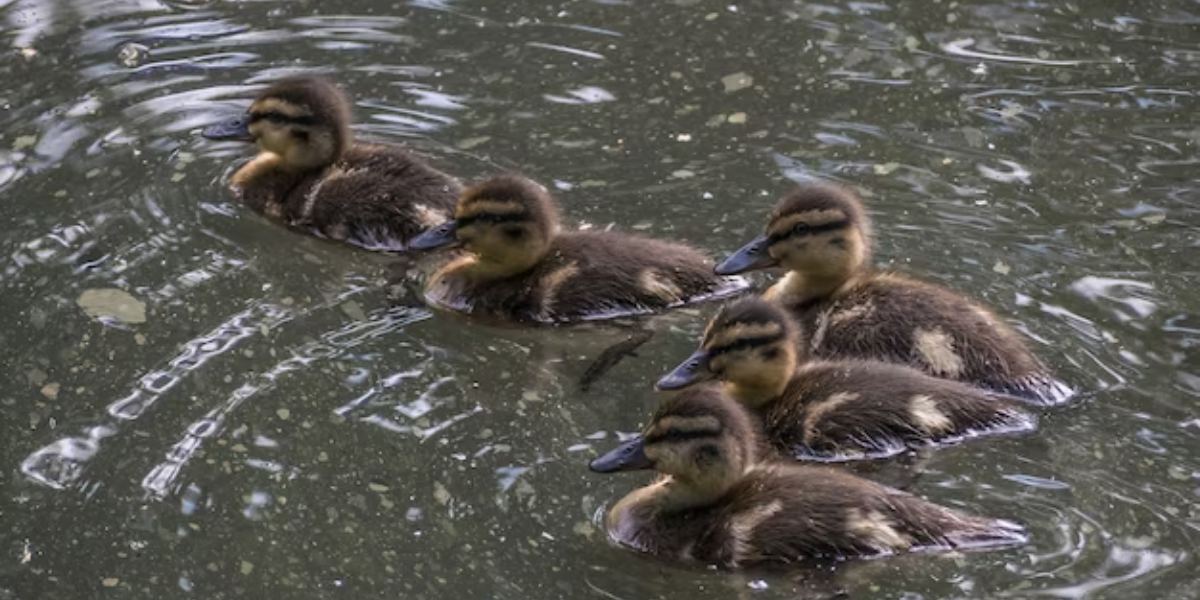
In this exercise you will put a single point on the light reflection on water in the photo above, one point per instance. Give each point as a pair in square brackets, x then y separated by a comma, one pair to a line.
[283, 426]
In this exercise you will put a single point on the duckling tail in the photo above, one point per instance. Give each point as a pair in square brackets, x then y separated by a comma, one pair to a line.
[987, 533]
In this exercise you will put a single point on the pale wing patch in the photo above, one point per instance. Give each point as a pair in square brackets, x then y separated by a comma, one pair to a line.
[877, 531]
[937, 349]
[273, 210]
[310, 199]
[338, 231]
[819, 410]
[926, 414]
[428, 216]
[652, 282]
[858, 311]
[818, 335]
[743, 525]
[552, 283]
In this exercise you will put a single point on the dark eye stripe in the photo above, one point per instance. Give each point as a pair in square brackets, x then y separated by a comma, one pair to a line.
[831, 226]
[679, 435]
[746, 343]
[275, 116]
[492, 218]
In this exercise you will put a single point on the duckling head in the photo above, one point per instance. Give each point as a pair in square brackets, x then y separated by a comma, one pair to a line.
[303, 120]
[751, 345]
[820, 231]
[704, 441]
[507, 222]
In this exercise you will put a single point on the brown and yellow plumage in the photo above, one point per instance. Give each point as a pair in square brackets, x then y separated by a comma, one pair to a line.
[821, 235]
[835, 410]
[521, 266]
[310, 174]
[717, 502]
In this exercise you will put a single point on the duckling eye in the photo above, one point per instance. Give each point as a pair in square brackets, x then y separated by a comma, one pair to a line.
[771, 353]
[300, 135]
[707, 454]
[800, 229]
[673, 435]
[514, 232]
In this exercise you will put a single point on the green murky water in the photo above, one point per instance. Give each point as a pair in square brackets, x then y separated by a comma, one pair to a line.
[280, 426]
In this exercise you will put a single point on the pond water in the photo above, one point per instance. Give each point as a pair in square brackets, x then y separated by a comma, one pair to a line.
[288, 423]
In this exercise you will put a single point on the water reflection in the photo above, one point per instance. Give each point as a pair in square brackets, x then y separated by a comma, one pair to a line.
[277, 428]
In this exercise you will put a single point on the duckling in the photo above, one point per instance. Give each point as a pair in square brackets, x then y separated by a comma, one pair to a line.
[521, 266]
[717, 502]
[834, 410]
[822, 235]
[310, 174]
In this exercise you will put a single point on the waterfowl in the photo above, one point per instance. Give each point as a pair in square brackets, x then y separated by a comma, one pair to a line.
[834, 410]
[312, 175]
[520, 265]
[716, 501]
[822, 235]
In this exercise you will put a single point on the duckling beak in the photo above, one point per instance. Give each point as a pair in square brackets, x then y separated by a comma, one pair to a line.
[630, 456]
[441, 236]
[689, 372]
[237, 130]
[751, 257]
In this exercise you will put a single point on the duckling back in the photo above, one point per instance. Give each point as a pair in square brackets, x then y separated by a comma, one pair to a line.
[588, 275]
[788, 513]
[844, 410]
[521, 266]
[899, 320]
[309, 173]
[373, 196]
[719, 500]
[822, 235]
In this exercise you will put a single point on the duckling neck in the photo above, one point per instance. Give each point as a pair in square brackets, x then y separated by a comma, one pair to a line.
[798, 288]
[500, 263]
[765, 388]
[670, 495]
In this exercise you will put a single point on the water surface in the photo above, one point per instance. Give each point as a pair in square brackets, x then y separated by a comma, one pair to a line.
[288, 423]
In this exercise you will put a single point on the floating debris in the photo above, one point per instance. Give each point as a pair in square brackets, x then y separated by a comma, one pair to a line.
[737, 81]
[133, 55]
[112, 303]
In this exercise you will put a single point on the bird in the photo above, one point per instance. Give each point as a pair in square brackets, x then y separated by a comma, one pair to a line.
[821, 234]
[310, 173]
[717, 502]
[834, 410]
[519, 264]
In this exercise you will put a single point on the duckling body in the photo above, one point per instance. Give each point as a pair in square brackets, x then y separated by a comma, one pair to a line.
[719, 503]
[821, 234]
[835, 410]
[310, 174]
[521, 267]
